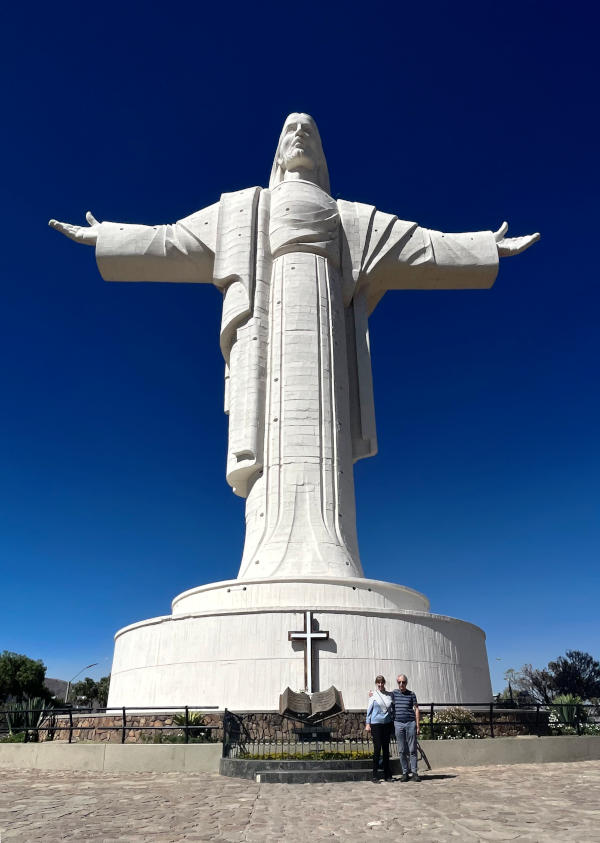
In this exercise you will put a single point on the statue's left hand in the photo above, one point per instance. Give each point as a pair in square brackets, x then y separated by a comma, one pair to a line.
[79, 233]
[508, 246]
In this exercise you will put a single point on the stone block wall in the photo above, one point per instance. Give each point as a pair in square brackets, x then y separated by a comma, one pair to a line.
[145, 728]
[261, 726]
[108, 728]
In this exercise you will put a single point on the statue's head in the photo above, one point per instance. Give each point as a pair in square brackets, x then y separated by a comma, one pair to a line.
[300, 151]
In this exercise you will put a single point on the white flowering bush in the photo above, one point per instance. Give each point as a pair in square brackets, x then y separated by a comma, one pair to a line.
[452, 724]
[556, 725]
[566, 712]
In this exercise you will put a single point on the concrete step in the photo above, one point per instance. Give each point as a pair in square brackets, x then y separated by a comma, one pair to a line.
[309, 776]
[301, 771]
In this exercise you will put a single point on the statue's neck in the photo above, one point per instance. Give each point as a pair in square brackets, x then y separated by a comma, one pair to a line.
[301, 174]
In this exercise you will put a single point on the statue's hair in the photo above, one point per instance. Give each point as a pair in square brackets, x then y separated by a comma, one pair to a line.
[320, 174]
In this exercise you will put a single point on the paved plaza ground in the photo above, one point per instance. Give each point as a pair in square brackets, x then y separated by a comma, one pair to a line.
[525, 802]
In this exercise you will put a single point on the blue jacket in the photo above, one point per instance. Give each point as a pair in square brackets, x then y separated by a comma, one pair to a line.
[376, 715]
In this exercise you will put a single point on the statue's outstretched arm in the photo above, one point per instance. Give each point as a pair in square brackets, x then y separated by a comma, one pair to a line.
[182, 252]
[416, 258]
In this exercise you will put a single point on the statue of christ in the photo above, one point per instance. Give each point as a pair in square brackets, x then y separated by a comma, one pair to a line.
[300, 274]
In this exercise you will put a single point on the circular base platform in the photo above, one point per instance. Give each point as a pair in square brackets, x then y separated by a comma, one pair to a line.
[227, 645]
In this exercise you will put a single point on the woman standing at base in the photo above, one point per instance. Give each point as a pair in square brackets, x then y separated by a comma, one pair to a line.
[380, 716]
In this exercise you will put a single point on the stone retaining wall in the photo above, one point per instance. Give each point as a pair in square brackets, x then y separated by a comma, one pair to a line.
[108, 728]
[206, 757]
[140, 728]
[265, 726]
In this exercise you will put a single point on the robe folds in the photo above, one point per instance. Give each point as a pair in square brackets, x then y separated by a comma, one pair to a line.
[237, 245]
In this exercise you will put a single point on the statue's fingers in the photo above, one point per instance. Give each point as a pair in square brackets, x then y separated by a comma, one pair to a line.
[60, 226]
[525, 241]
[65, 228]
[515, 245]
[499, 235]
[528, 241]
[91, 219]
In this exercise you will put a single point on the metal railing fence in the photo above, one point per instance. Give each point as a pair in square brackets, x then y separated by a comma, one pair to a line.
[244, 736]
[265, 734]
[31, 722]
[532, 719]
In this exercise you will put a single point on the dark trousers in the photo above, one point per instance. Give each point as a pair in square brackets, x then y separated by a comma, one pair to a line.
[380, 733]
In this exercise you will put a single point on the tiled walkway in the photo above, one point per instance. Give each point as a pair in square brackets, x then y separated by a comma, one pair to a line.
[527, 802]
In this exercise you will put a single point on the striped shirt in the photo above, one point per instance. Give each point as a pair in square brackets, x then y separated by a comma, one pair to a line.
[404, 703]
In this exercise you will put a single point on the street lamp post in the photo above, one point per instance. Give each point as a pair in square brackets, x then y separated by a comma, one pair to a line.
[75, 677]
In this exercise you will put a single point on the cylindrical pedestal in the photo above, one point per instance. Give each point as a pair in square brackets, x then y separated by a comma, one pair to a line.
[227, 644]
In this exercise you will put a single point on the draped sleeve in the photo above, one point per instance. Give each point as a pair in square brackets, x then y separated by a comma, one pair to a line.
[180, 253]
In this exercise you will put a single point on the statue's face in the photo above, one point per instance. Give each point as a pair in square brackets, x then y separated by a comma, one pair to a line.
[299, 148]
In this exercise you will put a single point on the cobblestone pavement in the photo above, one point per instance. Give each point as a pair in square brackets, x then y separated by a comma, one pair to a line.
[525, 802]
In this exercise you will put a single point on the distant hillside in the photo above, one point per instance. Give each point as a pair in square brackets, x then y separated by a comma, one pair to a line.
[57, 687]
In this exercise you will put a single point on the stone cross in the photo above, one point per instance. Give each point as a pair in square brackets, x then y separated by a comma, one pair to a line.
[309, 636]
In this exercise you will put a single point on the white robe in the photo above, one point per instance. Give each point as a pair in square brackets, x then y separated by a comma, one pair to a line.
[300, 274]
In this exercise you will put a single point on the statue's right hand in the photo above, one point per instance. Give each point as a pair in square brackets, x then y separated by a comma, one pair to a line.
[79, 233]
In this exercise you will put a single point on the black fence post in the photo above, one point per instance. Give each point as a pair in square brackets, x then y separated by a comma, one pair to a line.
[538, 729]
[225, 733]
[124, 725]
[431, 722]
[577, 719]
[491, 720]
[187, 724]
[41, 719]
[26, 738]
[70, 725]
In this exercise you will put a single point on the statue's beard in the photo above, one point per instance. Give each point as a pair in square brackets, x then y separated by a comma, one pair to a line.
[298, 157]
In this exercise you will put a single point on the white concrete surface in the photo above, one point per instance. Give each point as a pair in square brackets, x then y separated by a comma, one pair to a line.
[300, 274]
[205, 757]
[112, 757]
[306, 593]
[231, 647]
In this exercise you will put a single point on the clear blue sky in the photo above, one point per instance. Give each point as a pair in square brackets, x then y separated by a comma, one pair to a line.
[485, 492]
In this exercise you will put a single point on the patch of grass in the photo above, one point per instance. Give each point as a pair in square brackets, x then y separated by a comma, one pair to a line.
[14, 737]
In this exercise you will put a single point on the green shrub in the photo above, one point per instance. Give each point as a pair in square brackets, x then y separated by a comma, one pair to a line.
[565, 713]
[28, 716]
[197, 729]
[451, 724]
[169, 737]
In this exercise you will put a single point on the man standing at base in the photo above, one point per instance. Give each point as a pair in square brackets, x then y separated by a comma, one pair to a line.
[406, 726]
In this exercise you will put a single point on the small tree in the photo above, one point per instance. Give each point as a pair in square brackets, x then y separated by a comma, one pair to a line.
[103, 686]
[84, 692]
[21, 677]
[538, 684]
[576, 673]
[89, 692]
